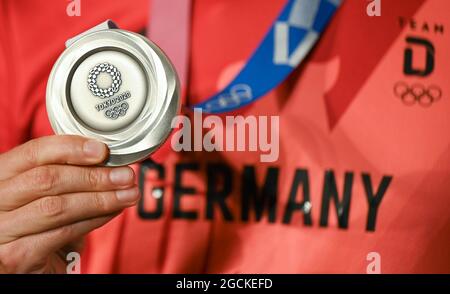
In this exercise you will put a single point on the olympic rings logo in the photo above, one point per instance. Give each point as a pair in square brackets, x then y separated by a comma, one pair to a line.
[115, 76]
[237, 95]
[417, 93]
[117, 111]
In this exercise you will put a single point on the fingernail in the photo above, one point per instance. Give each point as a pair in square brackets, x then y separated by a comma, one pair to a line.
[129, 195]
[121, 176]
[94, 149]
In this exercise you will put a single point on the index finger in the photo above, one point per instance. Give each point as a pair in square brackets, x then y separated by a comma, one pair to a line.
[62, 149]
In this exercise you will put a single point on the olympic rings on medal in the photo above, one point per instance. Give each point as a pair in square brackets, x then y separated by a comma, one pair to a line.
[417, 93]
[117, 111]
[115, 76]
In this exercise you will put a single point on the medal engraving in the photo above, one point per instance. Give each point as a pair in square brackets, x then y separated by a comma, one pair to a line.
[114, 107]
[115, 76]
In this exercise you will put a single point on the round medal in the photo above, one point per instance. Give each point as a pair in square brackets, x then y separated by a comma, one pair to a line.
[117, 87]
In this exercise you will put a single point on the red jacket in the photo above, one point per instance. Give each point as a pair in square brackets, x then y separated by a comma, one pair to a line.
[370, 169]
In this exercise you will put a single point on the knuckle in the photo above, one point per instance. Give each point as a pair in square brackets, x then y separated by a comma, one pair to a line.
[31, 152]
[71, 145]
[10, 259]
[100, 202]
[51, 206]
[66, 232]
[6, 228]
[44, 178]
[94, 178]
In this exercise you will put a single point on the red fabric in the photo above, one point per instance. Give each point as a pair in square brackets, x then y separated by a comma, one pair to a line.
[338, 113]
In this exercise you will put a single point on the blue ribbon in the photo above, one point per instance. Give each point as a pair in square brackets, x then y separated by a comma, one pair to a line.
[293, 34]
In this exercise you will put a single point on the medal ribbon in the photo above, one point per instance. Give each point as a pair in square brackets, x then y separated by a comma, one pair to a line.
[288, 41]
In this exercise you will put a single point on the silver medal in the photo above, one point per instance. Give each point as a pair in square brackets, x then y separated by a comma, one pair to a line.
[117, 87]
